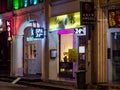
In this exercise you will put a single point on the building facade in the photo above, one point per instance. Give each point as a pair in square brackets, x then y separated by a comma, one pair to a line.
[106, 33]
[112, 13]
[25, 46]
[62, 46]
[68, 38]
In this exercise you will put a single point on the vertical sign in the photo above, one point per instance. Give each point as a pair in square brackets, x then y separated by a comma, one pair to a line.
[8, 27]
[87, 13]
[1, 25]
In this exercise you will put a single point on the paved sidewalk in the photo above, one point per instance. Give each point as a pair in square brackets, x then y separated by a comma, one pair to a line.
[49, 85]
[36, 82]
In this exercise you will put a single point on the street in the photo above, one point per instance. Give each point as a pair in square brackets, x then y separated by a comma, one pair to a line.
[10, 86]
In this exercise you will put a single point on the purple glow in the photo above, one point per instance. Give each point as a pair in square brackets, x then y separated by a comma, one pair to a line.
[66, 31]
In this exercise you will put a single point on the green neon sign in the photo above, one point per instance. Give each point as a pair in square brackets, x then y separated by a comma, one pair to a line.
[16, 4]
[24, 3]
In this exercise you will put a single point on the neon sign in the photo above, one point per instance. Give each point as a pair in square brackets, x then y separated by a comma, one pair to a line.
[8, 27]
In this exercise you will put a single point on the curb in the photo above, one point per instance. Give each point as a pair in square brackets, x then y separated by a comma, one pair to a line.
[46, 85]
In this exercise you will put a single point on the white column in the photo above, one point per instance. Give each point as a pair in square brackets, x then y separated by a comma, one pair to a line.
[19, 56]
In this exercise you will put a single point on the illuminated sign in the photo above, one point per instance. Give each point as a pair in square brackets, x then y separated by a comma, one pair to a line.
[81, 49]
[80, 31]
[114, 18]
[38, 32]
[67, 21]
[8, 27]
[87, 13]
[1, 25]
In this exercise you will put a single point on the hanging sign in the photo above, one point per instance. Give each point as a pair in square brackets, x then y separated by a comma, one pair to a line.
[38, 32]
[87, 13]
[80, 31]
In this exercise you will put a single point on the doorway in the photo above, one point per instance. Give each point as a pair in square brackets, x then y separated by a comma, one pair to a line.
[65, 64]
[32, 59]
[115, 56]
[5, 51]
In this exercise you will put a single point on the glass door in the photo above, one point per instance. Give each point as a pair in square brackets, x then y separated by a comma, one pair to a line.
[65, 63]
[115, 51]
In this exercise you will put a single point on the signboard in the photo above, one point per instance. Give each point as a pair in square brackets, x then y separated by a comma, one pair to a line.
[80, 31]
[81, 49]
[8, 28]
[66, 21]
[53, 53]
[1, 25]
[87, 13]
[114, 18]
[38, 32]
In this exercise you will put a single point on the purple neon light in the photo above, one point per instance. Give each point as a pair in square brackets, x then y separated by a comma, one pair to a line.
[65, 31]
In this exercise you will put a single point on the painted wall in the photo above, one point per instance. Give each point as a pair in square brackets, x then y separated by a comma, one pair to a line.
[53, 63]
[63, 8]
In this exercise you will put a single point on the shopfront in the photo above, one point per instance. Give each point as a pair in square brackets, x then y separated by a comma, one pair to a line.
[5, 46]
[113, 44]
[69, 39]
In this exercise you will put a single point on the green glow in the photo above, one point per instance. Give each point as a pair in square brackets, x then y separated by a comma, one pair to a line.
[25, 3]
[21, 3]
[35, 2]
[16, 4]
[66, 21]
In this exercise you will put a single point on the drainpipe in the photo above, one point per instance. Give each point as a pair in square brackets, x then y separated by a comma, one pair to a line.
[46, 49]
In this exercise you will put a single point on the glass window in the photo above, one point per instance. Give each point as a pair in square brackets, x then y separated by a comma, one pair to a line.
[30, 51]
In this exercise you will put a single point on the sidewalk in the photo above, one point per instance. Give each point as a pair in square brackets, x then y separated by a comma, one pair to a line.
[48, 85]
[56, 85]
[109, 86]
[37, 82]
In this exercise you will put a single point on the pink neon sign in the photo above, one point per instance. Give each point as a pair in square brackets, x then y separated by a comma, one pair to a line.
[66, 31]
[8, 27]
